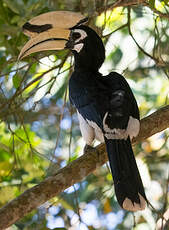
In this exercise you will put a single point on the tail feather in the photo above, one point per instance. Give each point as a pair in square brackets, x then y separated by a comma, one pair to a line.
[127, 181]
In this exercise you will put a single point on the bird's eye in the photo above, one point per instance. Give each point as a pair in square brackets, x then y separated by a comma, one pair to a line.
[76, 35]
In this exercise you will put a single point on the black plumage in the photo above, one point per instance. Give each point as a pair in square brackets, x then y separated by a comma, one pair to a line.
[106, 105]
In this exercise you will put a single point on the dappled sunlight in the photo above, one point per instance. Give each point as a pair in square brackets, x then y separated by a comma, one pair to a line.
[39, 129]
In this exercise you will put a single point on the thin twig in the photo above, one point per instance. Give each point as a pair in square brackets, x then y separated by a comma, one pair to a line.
[119, 28]
[129, 29]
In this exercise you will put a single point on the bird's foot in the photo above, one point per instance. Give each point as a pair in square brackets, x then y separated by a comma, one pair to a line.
[90, 149]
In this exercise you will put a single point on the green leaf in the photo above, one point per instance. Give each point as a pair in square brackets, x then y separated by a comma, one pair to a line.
[3, 13]
[152, 3]
[12, 5]
[166, 2]
[5, 147]
[74, 157]
[16, 81]
[15, 19]
[115, 56]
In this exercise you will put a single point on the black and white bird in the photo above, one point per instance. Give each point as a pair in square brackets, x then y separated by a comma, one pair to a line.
[106, 107]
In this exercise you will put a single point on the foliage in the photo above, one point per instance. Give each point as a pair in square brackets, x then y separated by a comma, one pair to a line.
[39, 127]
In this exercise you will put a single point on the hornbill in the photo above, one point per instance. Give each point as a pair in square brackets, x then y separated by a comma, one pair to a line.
[106, 107]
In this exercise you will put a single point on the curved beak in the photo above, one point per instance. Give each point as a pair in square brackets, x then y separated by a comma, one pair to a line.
[49, 31]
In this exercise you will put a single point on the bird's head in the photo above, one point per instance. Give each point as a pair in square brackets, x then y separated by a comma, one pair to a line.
[64, 30]
[87, 47]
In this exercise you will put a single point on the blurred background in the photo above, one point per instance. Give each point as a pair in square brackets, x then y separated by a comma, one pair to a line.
[39, 131]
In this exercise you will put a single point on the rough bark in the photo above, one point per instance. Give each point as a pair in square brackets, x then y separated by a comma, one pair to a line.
[74, 172]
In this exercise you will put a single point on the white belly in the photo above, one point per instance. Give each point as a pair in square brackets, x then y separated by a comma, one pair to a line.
[89, 130]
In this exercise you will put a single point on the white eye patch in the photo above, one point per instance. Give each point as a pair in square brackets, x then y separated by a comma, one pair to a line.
[78, 47]
[82, 33]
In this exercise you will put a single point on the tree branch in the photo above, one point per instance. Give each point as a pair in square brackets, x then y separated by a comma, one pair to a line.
[126, 3]
[74, 172]
[121, 3]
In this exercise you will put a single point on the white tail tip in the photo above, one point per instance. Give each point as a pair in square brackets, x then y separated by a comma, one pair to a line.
[133, 207]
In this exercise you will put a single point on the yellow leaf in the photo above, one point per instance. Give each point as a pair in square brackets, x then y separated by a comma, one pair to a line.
[57, 200]
[107, 207]
[7, 193]
[34, 83]
[109, 17]
[109, 177]
[5, 168]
